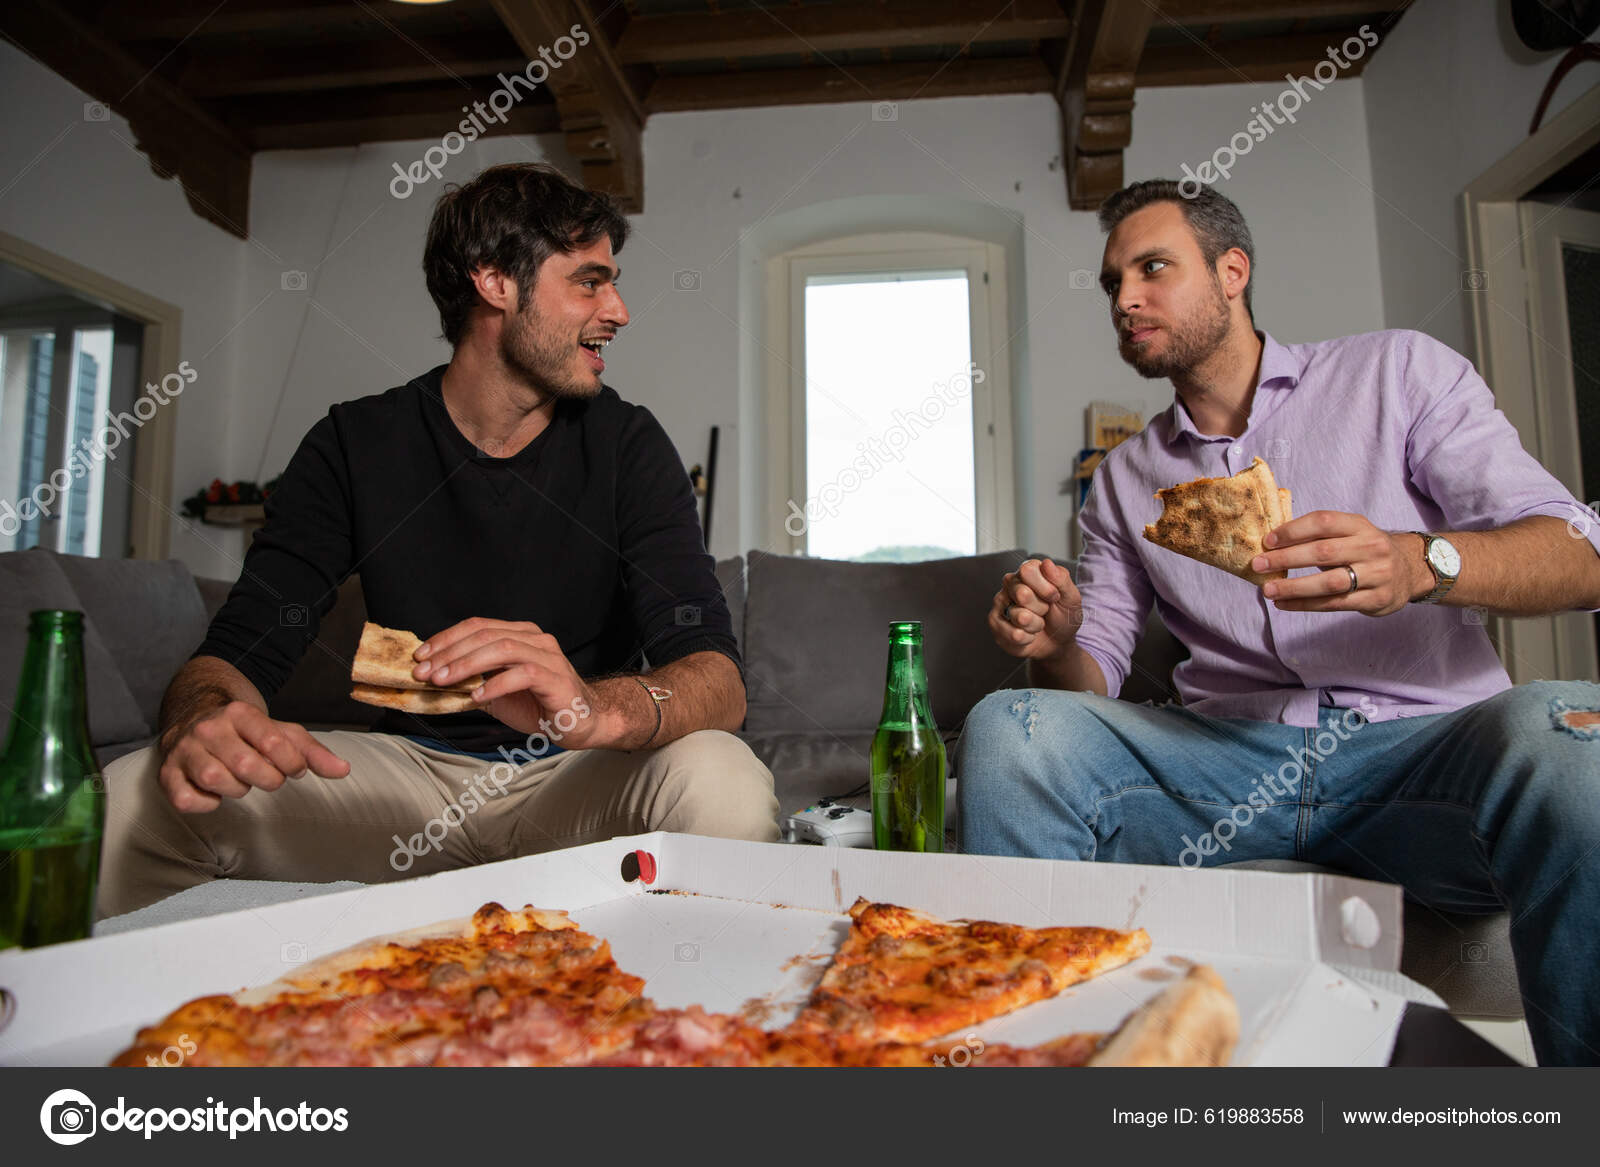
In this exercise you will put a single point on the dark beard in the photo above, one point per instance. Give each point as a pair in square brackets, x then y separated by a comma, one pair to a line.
[1192, 341]
[542, 360]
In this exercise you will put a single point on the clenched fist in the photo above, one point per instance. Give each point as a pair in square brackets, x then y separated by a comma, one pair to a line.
[1037, 611]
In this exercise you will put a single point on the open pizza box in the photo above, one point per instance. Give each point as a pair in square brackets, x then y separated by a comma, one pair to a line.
[1310, 959]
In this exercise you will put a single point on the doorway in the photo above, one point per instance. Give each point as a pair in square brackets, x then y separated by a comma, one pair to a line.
[1533, 224]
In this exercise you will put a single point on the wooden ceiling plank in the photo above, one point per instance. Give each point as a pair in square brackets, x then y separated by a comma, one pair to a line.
[180, 137]
[837, 27]
[324, 124]
[592, 94]
[901, 81]
[1197, 12]
[1235, 62]
[1096, 96]
[181, 19]
[381, 62]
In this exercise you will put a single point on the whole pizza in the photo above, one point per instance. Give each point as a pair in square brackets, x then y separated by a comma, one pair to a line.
[529, 988]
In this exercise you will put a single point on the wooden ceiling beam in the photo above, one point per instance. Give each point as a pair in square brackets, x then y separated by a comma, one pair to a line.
[317, 121]
[827, 28]
[1197, 12]
[964, 77]
[179, 136]
[1235, 62]
[597, 107]
[181, 19]
[1095, 91]
[390, 61]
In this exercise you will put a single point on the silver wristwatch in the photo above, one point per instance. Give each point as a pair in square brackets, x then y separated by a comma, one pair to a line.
[1444, 561]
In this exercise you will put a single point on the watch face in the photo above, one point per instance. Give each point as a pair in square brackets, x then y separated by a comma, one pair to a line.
[1446, 560]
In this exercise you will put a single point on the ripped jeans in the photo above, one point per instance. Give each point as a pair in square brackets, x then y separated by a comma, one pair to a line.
[1493, 807]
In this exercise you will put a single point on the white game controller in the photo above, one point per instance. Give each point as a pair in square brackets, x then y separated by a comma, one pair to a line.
[831, 826]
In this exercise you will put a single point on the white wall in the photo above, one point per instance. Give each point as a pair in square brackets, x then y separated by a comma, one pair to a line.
[710, 180]
[81, 189]
[1449, 94]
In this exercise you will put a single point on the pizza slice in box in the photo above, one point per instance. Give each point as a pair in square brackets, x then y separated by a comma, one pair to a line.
[381, 675]
[1222, 521]
[529, 988]
[903, 976]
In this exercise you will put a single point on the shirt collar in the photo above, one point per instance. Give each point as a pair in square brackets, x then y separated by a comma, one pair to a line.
[1279, 368]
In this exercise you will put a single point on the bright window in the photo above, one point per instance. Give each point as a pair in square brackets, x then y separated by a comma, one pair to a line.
[889, 468]
[896, 399]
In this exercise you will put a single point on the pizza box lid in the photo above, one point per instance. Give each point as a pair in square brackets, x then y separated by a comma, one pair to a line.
[1311, 959]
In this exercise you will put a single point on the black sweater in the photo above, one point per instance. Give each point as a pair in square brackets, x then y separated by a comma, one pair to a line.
[591, 532]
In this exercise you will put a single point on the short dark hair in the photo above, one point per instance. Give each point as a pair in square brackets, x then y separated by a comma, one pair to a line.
[511, 218]
[1217, 223]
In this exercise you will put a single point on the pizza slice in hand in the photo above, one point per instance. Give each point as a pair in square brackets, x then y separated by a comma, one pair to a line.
[1222, 521]
[902, 976]
[381, 676]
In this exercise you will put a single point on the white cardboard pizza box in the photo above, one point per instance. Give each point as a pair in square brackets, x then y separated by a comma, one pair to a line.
[1311, 959]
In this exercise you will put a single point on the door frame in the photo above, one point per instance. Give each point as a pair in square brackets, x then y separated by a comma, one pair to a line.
[149, 519]
[1538, 648]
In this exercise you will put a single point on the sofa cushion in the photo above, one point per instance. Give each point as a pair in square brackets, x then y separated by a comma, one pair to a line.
[730, 575]
[817, 630]
[809, 766]
[31, 580]
[213, 594]
[149, 615]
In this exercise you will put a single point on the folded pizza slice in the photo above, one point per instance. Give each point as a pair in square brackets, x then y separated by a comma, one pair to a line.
[1222, 521]
[381, 675]
[902, 976]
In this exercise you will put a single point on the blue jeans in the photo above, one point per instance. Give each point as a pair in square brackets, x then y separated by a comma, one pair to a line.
[1493, 807]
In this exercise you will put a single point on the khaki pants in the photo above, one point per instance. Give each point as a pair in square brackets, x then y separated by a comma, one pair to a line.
[406, 810]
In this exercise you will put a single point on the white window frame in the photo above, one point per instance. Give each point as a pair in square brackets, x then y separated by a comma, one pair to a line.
[151, 508]
[898, 253]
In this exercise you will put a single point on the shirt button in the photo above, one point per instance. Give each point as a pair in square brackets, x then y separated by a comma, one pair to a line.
[1236, 451]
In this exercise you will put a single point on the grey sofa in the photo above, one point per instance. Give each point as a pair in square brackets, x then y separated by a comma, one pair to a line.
[813, 637]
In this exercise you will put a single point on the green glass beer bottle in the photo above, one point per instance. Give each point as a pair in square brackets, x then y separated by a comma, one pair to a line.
[907, 754]
[52, 799]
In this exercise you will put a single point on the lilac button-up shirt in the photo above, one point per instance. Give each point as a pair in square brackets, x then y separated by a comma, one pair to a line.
[1391, 425]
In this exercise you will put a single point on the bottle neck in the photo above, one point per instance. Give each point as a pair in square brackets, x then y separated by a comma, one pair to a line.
[51, 702]
[905, 690]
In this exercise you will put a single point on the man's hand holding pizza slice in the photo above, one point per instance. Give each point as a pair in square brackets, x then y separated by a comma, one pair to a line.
[1364, 569]
[519, 674]
[1245, 526]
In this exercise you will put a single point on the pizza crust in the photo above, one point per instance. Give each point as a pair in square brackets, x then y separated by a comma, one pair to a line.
[1222, 521]
[1193, 1023]
[378, 952]
[414, 701]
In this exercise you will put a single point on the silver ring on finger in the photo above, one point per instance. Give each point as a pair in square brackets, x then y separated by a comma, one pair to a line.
[1354, 582]
[1009, 608]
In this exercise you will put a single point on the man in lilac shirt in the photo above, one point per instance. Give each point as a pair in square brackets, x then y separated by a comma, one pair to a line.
[1355, 714]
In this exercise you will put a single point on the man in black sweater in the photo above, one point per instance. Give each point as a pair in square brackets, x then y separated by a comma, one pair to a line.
[535, 529]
